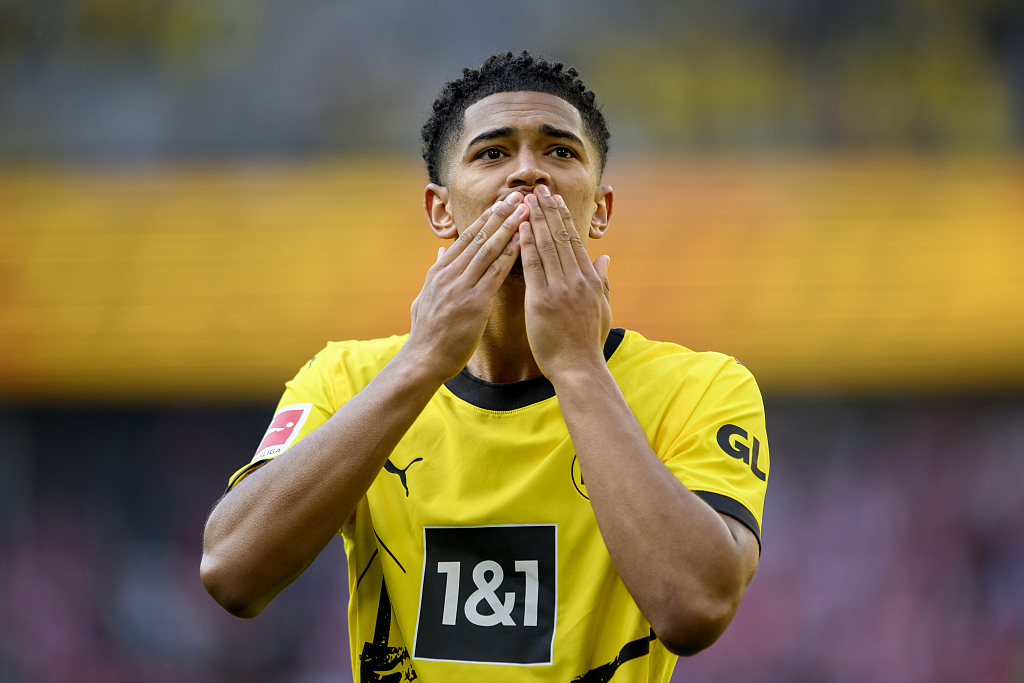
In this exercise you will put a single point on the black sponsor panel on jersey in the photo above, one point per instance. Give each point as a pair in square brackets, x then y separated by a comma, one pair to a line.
[488, 594]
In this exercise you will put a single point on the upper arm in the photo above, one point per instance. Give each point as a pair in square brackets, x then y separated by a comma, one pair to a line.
[719, 449]
[748, 548]
[309, 400]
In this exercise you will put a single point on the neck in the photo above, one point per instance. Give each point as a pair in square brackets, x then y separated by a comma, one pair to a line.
[504, 353]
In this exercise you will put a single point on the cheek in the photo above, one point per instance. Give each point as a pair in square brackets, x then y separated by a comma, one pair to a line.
[581, 206]
[463, 215]
[467, 205]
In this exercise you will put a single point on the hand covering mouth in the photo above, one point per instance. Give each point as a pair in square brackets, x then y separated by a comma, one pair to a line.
[521, 190]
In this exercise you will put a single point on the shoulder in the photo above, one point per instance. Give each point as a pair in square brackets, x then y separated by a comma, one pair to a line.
[342, 368]
[669, 385]
[369, 351]
[642, 360]
[356, 356]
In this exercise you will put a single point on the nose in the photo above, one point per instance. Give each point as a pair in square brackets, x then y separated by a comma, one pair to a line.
[528, 171]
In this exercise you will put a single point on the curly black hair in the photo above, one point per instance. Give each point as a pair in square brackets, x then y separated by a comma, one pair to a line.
[505, 72]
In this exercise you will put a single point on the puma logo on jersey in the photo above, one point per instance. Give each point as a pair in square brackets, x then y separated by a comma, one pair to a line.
[390, 467]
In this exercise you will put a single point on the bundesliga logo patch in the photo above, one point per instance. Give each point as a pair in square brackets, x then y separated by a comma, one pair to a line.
[488, 594]
[283, 429]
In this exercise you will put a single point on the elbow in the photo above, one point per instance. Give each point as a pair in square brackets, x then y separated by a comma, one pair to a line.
[686, 629]
[225, 588]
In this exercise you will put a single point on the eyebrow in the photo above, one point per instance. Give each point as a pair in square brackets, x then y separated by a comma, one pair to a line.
[552, 132]
[494, 134]
[509, 131]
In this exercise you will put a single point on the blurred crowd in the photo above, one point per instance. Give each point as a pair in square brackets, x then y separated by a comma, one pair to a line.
[88, 80]
[893, 551]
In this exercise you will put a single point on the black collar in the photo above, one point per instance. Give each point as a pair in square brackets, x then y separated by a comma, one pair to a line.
[495, 396]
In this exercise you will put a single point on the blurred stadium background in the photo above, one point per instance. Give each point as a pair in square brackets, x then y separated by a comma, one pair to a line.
[196, 195]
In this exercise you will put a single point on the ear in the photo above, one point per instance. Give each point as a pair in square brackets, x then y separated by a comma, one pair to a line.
[603, 212]
[435, 204]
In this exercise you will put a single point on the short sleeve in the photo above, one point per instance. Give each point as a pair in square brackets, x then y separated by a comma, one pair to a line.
[309, 400]
[721, 453]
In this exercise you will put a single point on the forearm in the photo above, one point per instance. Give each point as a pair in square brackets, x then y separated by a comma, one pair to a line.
[272, 525]
[278, 519]
[678, 557]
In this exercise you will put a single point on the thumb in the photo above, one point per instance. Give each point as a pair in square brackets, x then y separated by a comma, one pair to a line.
[601, 265]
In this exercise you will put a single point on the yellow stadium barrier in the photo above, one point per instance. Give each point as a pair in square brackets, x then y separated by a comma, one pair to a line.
[881, 273]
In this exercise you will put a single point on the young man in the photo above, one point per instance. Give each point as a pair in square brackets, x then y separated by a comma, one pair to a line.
[524, 492]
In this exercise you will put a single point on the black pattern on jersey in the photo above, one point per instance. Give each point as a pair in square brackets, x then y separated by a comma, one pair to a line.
[363, 573]
[390, 467]
[631, 650]
[388, 551]
[374, 556]
[379, 663]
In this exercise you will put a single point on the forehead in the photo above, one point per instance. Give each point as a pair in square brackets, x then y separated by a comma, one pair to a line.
[520, 110]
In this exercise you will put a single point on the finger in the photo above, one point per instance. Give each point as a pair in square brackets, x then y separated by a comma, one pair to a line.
[414, 306]
[496, 245]
[544, 243]
[491, 222]
[578, 248]
[561, 229]
[464, 239]
[500, 267]
[601, 265]
[533, 267]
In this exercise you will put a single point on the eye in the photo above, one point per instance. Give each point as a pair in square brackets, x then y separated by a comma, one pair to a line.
[564, 153]
[490, 154]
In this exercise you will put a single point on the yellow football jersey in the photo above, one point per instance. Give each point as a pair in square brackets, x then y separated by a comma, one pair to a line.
[475, 554]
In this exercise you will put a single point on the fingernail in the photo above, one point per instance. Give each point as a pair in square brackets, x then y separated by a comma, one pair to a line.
[543, 191]
[520, 210]
[514, 198]
[532, 200]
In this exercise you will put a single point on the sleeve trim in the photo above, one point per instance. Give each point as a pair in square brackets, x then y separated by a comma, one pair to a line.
[733, 508]
[245, 472]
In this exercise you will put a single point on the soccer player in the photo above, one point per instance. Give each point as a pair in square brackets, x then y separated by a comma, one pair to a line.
[524, 492]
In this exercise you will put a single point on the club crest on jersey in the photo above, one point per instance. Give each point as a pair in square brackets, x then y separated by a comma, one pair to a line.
[283, 429]
[488, 594]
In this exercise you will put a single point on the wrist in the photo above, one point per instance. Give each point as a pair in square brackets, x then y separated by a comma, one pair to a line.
[580, 376]
[417, 369]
